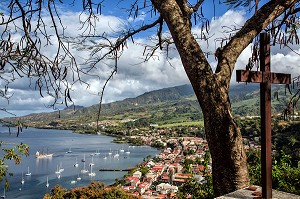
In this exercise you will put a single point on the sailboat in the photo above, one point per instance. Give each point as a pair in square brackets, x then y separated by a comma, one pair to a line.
[28, 173]
[92, 173]
[127, 152]
[78, 178]
[110, 153]
[61, 169]
[105, 157]
[22, 181]
[122, 150]
[47, 183]
[92, 163]
[57, 170]
[84, 170]
[97, 152]
[43, 155]
[116, 155]
[70, 151]
[83, 160]
[76, 164]
[3, 196]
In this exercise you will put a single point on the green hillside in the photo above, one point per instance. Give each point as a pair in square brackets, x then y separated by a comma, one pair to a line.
[168, 106]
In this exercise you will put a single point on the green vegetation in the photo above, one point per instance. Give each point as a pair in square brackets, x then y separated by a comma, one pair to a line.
[93, 191]
[285, 176]
[285, 136]
[197, 190]
[194, 188]
[13, 153]
[194, 123]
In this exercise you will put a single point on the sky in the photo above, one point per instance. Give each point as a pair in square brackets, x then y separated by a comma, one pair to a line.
[135, 77]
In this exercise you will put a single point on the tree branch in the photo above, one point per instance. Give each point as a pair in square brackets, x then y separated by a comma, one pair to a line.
[260, 20]
[197, 5]
[121, 41]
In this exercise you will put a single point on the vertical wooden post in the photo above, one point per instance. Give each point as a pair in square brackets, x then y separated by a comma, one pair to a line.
[266, 116]
[265, 78]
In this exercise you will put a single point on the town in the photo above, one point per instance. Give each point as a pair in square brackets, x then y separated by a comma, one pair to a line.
[182, 160]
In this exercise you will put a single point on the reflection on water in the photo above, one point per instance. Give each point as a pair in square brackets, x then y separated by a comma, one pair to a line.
[75, 162]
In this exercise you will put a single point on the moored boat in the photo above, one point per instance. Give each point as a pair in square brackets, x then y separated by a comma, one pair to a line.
[28, 173]
[69, 151]
[43, 155]
[47, 183]
[22, 181]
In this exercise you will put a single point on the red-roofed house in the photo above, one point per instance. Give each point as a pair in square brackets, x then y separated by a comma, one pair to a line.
[142, 187]
[148, 193]
[133, 181]
[165, 178]
[158, 169]
[199, 168]
[129, 188]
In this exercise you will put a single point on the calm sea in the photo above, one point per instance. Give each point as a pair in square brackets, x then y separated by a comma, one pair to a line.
[94, 148]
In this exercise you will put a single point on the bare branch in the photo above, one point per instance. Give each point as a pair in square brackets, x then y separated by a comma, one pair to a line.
[121, 41]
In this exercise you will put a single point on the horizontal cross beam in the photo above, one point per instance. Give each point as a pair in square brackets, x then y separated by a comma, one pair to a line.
[261, 76]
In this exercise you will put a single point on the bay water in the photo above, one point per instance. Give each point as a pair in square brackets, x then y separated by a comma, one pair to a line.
[68, 149]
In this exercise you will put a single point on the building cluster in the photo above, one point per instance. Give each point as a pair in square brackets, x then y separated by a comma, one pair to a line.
[166, 172]
[169, 170]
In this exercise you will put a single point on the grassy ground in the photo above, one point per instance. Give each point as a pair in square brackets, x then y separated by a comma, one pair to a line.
[194, 123]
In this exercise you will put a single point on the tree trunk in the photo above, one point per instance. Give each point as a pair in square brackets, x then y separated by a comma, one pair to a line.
[229, 162]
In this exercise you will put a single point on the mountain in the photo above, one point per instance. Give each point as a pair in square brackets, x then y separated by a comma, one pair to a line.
[172, 105]
[73, 107]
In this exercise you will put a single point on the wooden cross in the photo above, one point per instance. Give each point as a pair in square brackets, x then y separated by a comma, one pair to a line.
[265, 78]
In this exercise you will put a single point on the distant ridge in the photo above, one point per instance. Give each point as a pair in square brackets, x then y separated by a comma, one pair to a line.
[162, 95]
[164, 105]
[74, 107]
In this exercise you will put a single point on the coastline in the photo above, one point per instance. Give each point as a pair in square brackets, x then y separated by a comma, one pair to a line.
[59, 142]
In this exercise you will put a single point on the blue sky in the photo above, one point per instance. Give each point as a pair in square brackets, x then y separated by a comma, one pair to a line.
[133, 77]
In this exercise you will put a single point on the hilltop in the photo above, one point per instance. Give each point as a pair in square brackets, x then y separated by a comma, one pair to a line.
[168, 106]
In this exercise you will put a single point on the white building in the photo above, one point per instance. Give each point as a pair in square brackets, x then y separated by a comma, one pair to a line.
[165, 188]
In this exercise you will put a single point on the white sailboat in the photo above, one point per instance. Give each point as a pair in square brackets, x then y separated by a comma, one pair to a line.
[105, 157]
[28, 173]
[73, 181]
[92, 173]
[76, 164]
[70, 151]
[84, 170]
[61, 169]
[78, 178]
[43, 155]
[122, 150]
[97, 152]
[116, 155]
[127, 152]
[110, 153]
[22, 181]
[3, 196]
[92, 163]
[47, 183]
[57, 170]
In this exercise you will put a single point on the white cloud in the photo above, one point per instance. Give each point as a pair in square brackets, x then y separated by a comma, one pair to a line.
[134, 77]
[218, 29]
[289, 63]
